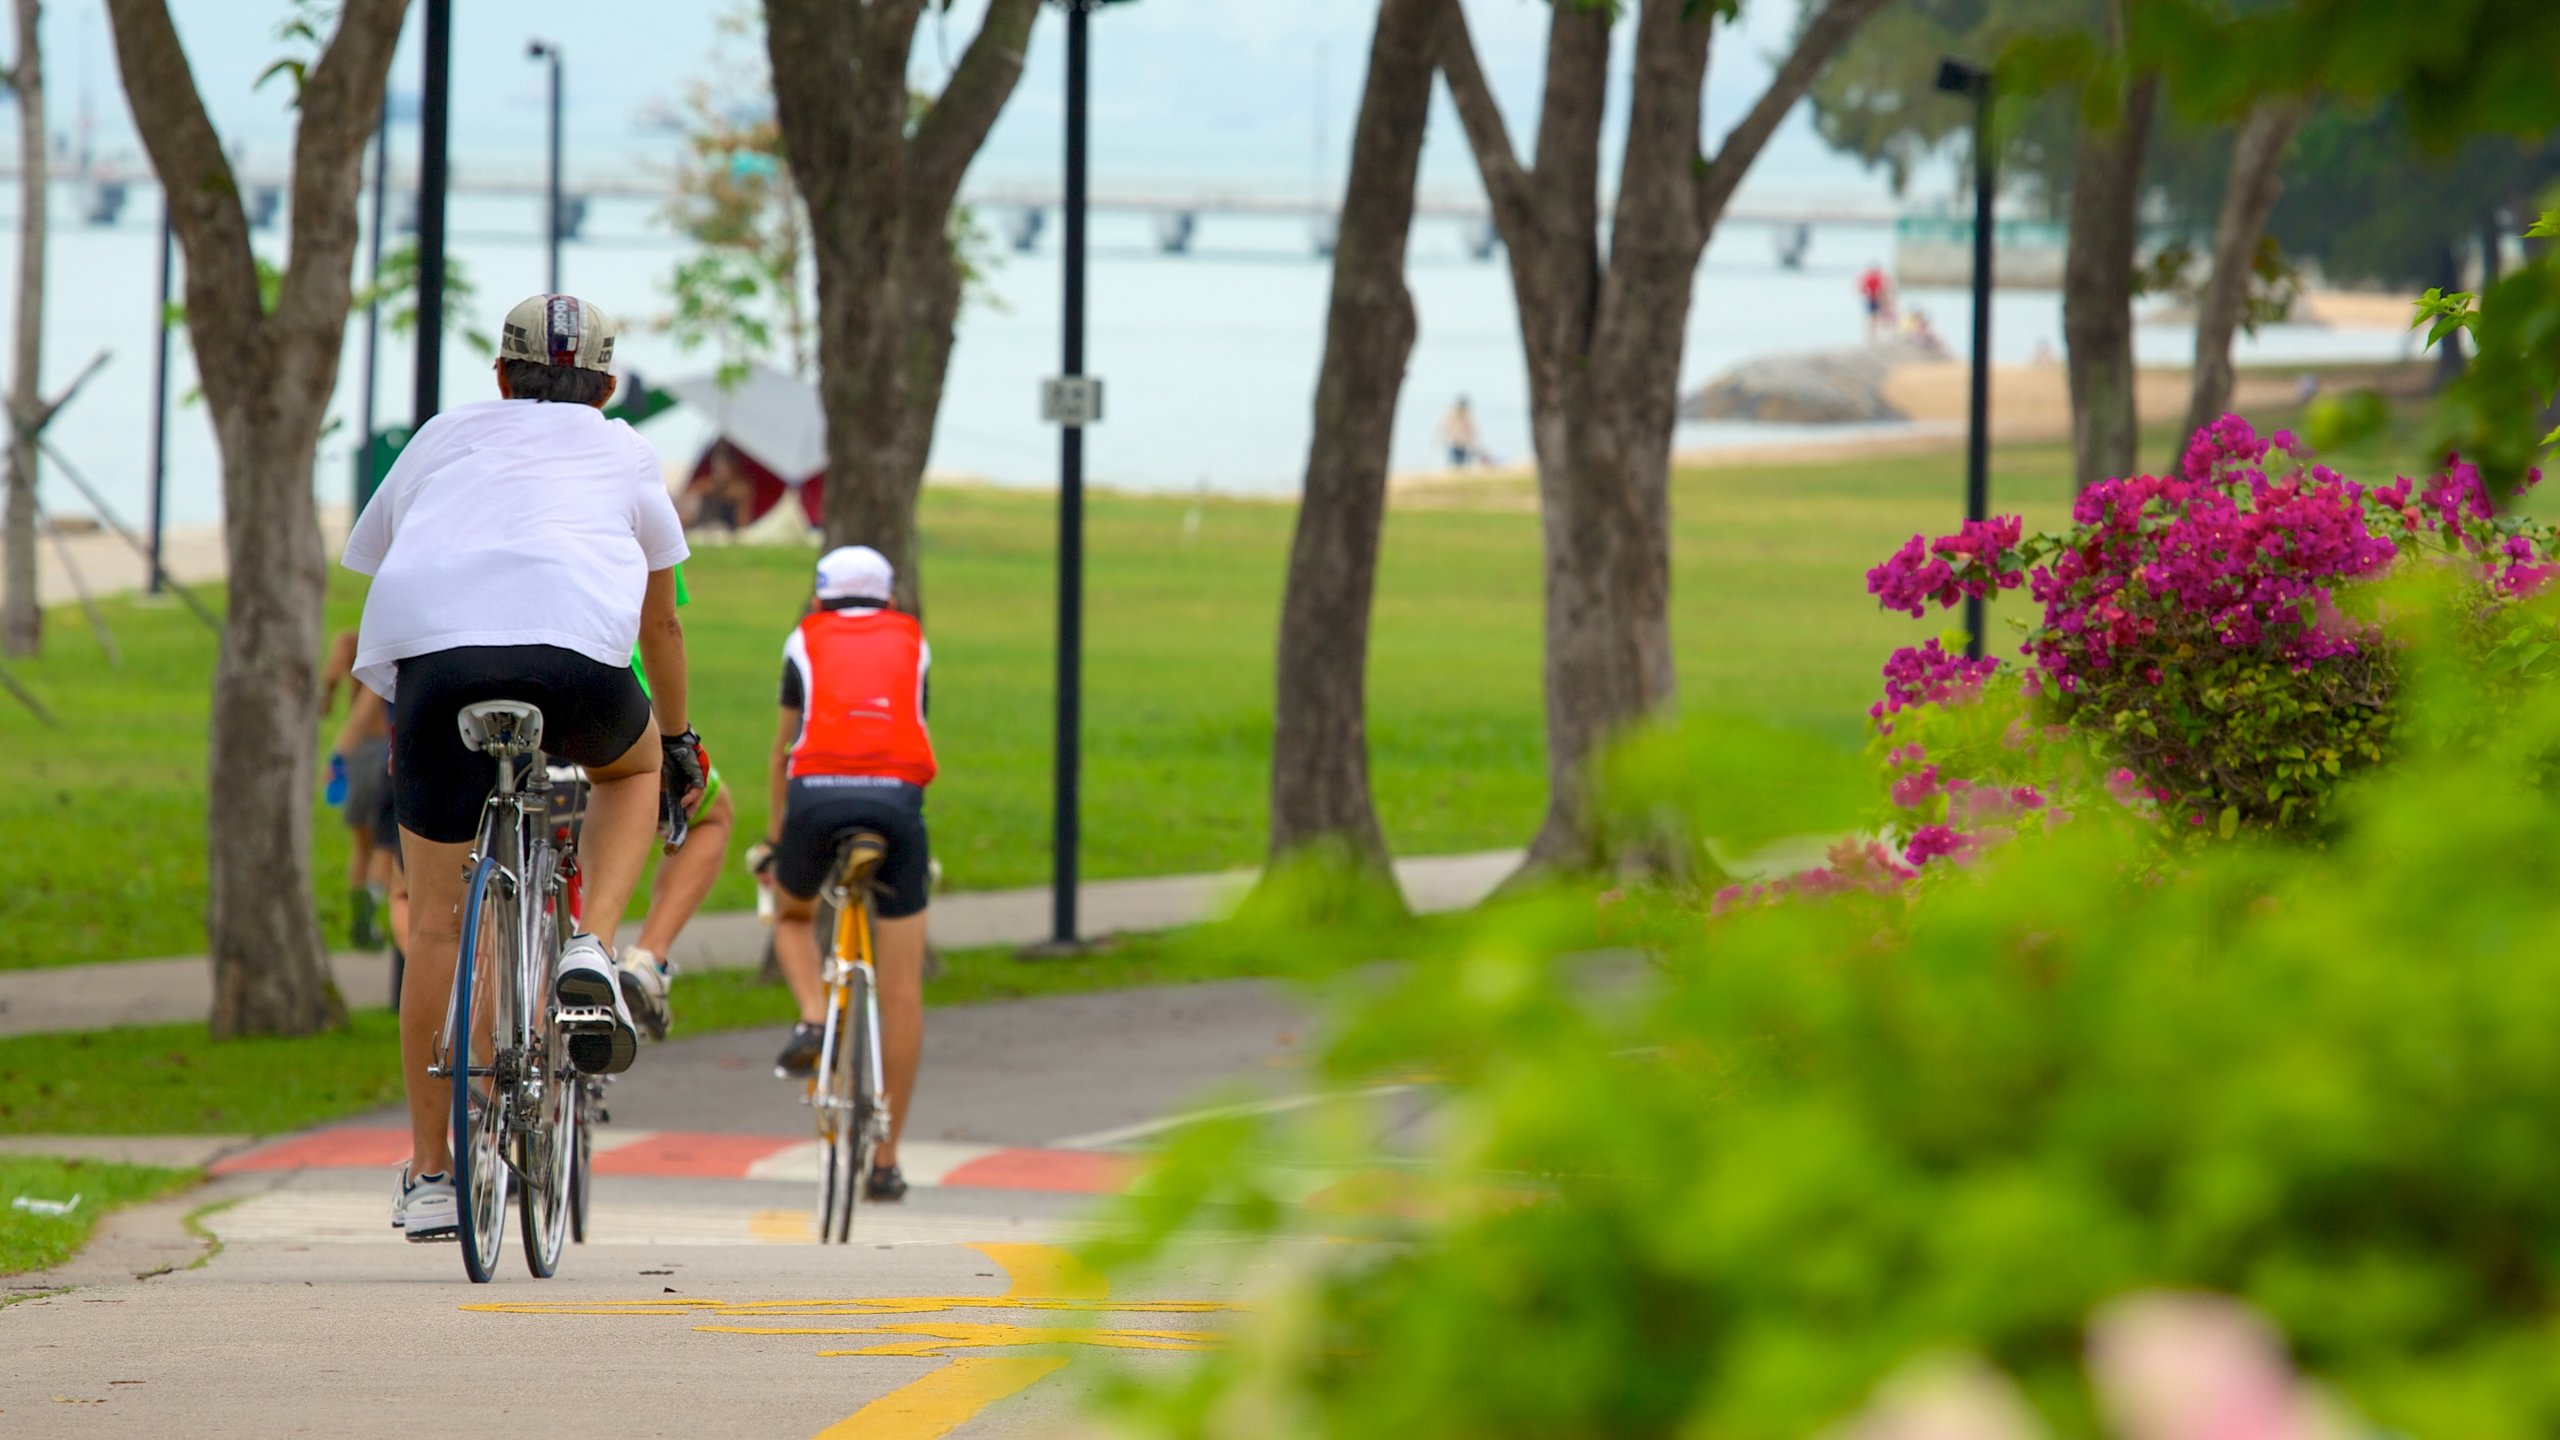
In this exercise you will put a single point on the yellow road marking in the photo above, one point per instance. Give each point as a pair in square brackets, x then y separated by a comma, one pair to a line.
[944, 1400]
[1045, 1272]
[782, 1227]
[1042, 1279]
[820, 1309]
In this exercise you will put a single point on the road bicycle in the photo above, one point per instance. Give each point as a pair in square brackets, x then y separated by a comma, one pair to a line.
[517, 1099]
[567, 812]
[846, 1092]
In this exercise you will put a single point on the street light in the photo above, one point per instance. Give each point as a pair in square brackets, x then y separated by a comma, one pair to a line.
[366, 479]
[546, 50]
[1956, 77]
[435, 96]
[1065, 836]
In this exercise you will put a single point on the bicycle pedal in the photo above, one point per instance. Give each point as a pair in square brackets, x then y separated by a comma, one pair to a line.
[584, 1019]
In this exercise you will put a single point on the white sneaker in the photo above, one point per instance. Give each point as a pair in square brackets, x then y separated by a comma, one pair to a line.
[587, 980]
[644, 989]
[425, 1209]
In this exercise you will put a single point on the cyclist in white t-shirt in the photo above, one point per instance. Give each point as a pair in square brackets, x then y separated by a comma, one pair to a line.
[519, 548]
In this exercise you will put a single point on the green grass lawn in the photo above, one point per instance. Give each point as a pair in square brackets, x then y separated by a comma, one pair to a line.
[105, 816]
[38, 1242]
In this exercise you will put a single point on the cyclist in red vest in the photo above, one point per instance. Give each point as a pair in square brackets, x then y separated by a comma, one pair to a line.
[853, 753]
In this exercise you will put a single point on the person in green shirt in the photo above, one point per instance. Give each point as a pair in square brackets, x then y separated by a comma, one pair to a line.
[684, 879]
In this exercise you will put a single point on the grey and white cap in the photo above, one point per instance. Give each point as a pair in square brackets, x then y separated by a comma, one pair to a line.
[558, 330]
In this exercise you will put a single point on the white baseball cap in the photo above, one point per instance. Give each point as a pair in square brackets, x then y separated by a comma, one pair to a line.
[855, 572]
[558, 330]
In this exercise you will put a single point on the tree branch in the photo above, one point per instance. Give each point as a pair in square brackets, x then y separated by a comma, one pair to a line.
[1822, 39]
[186, 153]
[1506, 180]
[948, 136]
[44, 415]
[341, 103]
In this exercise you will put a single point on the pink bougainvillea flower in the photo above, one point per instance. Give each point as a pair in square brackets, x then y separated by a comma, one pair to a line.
[2199, 1367]
[1939, 842]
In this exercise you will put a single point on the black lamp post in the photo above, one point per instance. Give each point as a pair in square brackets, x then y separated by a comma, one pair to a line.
[546, 50]
[1066, 837]
[434, 104]
[1956, 77]
[365, 478]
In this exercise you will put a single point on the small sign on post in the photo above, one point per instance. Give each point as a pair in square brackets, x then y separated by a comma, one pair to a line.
[1071, 400]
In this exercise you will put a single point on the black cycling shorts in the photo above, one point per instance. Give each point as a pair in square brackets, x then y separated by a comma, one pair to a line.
[819, 811]
[592, 714]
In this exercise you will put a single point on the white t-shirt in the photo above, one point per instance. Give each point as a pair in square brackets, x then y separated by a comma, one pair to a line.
[512, 522]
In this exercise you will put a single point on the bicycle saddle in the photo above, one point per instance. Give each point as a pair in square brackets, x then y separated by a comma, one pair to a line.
[501, 727]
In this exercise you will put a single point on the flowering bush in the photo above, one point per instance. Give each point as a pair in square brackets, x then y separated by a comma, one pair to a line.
[2030, 1110]
[2205, 631]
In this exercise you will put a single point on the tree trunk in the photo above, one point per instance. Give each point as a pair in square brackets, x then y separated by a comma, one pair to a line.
[270, 967]
[2451, 359]
[1320, 737]
[268, 375]
[2257, 159]
[1603, 342]
[880, 186]
[2097, 286]
[21, 617]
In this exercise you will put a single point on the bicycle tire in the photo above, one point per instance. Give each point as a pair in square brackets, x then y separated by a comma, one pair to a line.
[864, 1107]
[827, 1097]
[480, 1127]
[546, 1150]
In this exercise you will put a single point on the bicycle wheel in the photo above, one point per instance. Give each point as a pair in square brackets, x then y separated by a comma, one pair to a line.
[546, 1150]
[831, 1095]
[480, 1062]
[867, 1116]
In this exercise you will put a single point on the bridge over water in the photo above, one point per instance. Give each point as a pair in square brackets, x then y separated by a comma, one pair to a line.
[1018, 209]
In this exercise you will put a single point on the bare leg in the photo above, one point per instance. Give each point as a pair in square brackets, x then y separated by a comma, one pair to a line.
[359, 855]
[622, 820]
[397, 883]
[437, 880]
[685, 877]
[898, 954]
[795, 949]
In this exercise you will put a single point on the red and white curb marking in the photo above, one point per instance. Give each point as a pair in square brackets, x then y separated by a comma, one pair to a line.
[684, 1154]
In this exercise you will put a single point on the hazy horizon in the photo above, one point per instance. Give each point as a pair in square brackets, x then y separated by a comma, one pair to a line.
[1182, 89]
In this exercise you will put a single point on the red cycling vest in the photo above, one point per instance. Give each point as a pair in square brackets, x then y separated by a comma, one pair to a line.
[862, 677]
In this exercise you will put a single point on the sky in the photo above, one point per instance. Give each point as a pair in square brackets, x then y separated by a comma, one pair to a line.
[1236, 91]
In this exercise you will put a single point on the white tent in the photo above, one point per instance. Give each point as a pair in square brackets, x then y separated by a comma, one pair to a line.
[773, 417]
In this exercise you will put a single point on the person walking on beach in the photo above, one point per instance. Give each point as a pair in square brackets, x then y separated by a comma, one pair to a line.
[1458, 432]
[1877, 291]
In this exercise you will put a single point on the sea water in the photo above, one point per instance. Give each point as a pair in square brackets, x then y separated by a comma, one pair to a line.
[1209, 357]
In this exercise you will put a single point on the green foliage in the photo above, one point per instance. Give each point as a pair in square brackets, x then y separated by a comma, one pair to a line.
[2372, 205]
[2275, 282]
[307, 28]
[745, 286]
[395, 288]
[1727, 1190]
[2499, 411]
[1878, 99]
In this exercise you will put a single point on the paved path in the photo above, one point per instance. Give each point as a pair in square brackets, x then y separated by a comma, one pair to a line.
[699, 1305]
[145, 992]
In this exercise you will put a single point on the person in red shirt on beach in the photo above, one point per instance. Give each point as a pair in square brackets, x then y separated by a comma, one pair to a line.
[1877, 291]
[853, 753]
